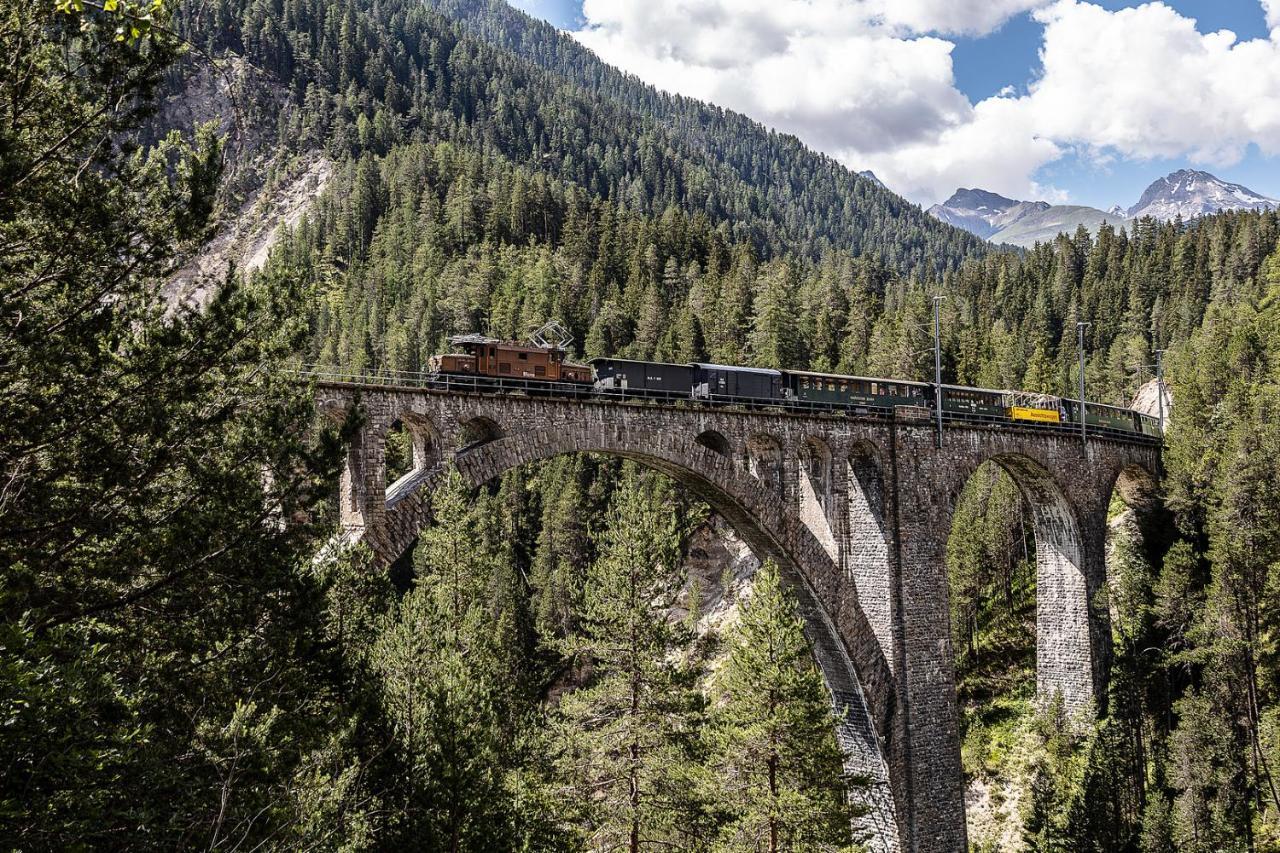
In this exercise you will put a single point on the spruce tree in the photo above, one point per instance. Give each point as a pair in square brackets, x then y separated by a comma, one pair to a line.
[628, 738]
[449, 676]
[774, 340]
[158, 632]
[776, 766]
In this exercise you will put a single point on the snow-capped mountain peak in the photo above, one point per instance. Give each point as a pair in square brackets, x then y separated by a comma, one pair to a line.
[978, 211]
[871, 176]
[1189, 193]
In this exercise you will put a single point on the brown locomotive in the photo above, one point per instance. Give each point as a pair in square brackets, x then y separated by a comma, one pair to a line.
[482, 356]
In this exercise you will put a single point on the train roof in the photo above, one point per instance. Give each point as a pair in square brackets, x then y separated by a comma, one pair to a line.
[981, 390]
[766, 371]
[858, 378]
[1045, 397]
[604, 358]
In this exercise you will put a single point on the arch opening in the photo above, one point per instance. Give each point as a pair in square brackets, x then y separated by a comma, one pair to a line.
[763, 457]
[410, 446]
[397, 451]
[863, 694]
[815, 493]
[1138, 533]
[1022, 628]
[477, 431]
[715, 442]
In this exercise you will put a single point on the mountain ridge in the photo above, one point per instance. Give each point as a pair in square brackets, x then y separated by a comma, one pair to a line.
[1191, 192]
[533, 94]
[1020, 223]
[1185, 193]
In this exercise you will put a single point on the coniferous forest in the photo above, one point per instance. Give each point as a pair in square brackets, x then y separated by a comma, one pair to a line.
[183, 664]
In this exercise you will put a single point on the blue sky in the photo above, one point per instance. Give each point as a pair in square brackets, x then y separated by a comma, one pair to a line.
[1056, 148]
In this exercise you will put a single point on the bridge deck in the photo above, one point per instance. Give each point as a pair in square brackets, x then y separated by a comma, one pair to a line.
[447, 384]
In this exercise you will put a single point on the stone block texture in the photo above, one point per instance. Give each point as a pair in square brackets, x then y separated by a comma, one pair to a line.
[855, 510]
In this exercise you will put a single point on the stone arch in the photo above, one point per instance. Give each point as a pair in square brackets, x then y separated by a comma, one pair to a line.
[1067, 656]
[870, 545]
[1136, 527]
[815, 494]
[715, 441]
[1137, 486]
[425, 450]
[762, 454]
[476, 431]
[847, 652]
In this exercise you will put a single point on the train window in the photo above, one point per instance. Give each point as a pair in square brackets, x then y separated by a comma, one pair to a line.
[539, 370]
[524, 356]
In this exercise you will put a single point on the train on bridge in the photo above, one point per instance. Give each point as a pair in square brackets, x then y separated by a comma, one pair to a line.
[542, 367]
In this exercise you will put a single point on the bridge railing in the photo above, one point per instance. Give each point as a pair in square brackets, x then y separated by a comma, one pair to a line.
[455, 383]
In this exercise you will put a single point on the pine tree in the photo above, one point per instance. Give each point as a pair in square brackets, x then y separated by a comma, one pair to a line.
[449, 674]
[628, 737]
[157, 629]
[447, 732]
[774, 340]
[776, 766]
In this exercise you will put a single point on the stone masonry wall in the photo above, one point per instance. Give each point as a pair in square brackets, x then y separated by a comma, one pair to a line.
[857, 511]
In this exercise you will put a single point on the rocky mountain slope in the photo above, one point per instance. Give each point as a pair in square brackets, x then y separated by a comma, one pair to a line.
[522, 90]
[1021, 223]
[1186, 193]
[1038, 222]
[976, 211]
[1189, 193]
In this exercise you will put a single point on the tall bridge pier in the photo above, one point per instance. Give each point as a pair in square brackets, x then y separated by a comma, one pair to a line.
[855, 510]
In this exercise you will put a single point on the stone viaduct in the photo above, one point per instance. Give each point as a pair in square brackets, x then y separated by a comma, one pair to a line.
[856, 510]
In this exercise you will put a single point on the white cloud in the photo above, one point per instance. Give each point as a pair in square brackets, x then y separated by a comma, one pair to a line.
[831, 71]
[1272, 10]
[865, 81]
[952, 17]
[1144, 82]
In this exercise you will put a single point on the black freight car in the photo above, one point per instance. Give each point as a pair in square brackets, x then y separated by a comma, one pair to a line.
[720, 381]
[625, 375]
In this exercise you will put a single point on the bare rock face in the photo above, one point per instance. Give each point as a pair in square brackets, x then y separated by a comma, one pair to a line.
[1148, 401]
[242, 100]
[246, 239]
[719, 568]
[1190, 193]
[260, 192]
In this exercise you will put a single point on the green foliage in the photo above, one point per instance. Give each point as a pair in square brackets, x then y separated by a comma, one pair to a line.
[455, 695]
[160, 631]
[178, 670]
[130, 20]
[628, 739]
[776, 783]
